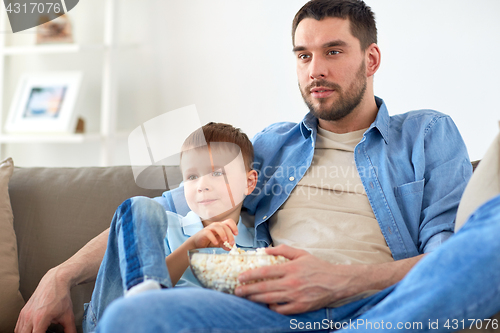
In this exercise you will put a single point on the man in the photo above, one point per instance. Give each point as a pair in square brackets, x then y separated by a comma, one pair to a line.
[400, 180]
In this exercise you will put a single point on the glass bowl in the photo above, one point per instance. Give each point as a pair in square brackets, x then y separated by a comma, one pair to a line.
[218, 269]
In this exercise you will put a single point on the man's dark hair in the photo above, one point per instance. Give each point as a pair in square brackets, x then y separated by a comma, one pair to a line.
[219, 132]
[361, 17]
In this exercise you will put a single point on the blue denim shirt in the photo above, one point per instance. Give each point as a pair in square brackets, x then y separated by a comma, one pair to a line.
[414, 168]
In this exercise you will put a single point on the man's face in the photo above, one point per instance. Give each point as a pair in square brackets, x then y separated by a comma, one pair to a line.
[330, 67]
[214, 181]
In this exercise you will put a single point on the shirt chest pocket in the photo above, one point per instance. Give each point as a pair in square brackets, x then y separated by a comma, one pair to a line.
[409, 198]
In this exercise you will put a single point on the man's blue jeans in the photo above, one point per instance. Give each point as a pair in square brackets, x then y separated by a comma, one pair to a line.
[135, 251]
[459, 281]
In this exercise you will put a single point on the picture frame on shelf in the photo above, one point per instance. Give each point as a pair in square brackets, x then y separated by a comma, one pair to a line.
[55, 31]
[44, 103]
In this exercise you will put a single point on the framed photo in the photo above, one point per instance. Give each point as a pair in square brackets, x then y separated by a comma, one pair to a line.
[44, 103]
[56, 31]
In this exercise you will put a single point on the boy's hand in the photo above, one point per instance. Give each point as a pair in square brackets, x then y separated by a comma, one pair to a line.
[215, 234]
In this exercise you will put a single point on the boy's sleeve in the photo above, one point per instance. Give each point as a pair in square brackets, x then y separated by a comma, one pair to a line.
[174, 201]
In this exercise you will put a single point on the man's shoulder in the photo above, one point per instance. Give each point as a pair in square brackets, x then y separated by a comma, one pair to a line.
[424, 115]
[276, 136]
[414, 127]
[418, 120]
[276, 128]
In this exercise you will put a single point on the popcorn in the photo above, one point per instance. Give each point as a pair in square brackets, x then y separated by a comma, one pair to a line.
[220, 271]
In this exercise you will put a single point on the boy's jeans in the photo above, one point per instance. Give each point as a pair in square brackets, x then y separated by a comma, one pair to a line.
[458, 282]
[130, 258]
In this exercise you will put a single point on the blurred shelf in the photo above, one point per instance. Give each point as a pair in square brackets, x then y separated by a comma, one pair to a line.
[49, 138]
[59, 138]
[60, 48]
[56, 48]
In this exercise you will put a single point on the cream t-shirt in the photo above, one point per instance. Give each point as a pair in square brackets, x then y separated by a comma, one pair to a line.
[328, 213]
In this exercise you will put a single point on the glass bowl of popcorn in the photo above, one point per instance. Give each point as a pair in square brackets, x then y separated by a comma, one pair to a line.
[217, 269]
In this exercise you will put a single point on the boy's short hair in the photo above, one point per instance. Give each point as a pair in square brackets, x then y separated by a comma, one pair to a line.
[219, 132]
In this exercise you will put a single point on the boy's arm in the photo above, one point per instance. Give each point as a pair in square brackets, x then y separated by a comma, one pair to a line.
[213, 235]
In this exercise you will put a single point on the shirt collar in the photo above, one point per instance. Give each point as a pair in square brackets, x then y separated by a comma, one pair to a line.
[191, 224]
[309, 124]
[382, 120]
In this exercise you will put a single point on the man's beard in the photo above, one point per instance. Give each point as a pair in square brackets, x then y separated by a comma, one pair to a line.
[347, 101]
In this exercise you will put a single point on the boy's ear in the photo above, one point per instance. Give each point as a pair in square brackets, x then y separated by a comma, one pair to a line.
[252, 177]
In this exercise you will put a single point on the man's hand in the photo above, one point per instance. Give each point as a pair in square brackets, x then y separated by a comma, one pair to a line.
[307, 283]
[215, 234]
[50, 303]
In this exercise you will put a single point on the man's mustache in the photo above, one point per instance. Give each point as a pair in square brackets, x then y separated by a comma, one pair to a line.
[322, 83]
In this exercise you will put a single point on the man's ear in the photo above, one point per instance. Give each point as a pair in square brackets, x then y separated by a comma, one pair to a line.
[252, 178]
[373, 57]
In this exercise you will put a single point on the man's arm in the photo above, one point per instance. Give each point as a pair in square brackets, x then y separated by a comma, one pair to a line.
[51, 301]
[307, 283]
[447, 172]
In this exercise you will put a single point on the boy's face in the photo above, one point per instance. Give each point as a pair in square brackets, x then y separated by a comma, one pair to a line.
[215, 181]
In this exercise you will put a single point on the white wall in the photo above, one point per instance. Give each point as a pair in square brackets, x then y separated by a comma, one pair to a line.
[233, 60]
[443, 55]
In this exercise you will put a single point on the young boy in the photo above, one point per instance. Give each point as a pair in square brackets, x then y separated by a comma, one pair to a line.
[217, 175]
[147, 247]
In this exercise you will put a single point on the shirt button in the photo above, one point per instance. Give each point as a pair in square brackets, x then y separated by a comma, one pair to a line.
[291, 179]
[265, 217]
[371, 185]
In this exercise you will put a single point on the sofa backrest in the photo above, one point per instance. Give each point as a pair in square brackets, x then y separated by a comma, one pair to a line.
[58, 210]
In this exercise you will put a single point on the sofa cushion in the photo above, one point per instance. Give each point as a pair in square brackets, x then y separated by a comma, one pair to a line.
[483, 186]
[11, 299]
[58, 210]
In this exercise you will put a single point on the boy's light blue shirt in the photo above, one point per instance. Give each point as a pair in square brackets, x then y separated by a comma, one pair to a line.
[414, 168]
[181, 228]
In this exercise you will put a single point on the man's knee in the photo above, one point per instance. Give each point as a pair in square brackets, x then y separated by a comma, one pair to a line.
[116, 314]
[486, 215]
[153, 310]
